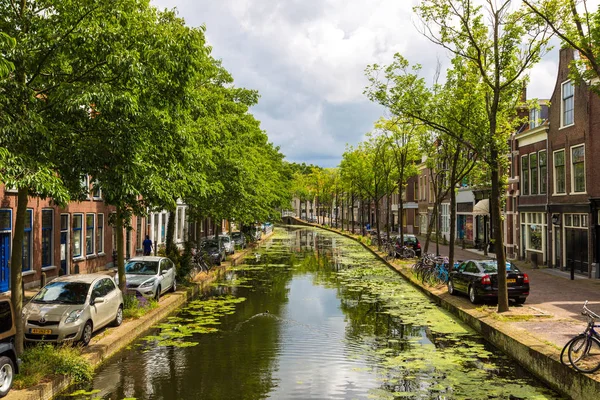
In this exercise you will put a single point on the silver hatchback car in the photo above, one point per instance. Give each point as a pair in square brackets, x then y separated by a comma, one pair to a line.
[71, 308]
[149, 276]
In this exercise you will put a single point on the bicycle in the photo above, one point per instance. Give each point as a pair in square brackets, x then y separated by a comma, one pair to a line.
[584, 349]
[200, 262]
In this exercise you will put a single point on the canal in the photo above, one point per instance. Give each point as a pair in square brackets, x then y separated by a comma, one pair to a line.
[311, 315]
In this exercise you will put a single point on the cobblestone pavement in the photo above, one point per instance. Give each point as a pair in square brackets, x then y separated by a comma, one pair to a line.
[555, 300]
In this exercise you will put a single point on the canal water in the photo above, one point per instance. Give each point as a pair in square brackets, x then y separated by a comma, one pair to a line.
[311, 315]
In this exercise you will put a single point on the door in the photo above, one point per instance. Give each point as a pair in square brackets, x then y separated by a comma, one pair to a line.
[4, 259]
[558, 262]
[577, 250]
[64, 244]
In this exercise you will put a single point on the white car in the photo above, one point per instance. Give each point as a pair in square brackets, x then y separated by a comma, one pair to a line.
[227, 243]
[149, 276]
[71, 308]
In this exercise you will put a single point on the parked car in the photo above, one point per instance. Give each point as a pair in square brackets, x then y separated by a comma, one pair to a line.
[479, 279]
[72, 308]
[216, 252]
[227, 243]
[149, 276]
[411, 241]
[239, 239]
[9, 363]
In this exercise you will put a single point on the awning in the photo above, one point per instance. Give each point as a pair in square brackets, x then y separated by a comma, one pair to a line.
[482, 207]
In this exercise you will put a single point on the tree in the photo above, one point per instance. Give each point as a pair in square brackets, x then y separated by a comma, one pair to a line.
[501, 44]
[62, 59]
[578, 28]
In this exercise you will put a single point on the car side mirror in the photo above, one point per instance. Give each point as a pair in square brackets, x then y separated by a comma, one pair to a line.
[97, 300]
[164, 271]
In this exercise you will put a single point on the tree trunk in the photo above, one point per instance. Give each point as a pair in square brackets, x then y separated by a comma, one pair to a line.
[362, 217]
[498, 236]
[199, 223]
[378, 220]
[430, 227]
[453, 208]
[170, 245]
[352, 213]
[121, 249]
[401, 215]
[389, 213]
[16, 267]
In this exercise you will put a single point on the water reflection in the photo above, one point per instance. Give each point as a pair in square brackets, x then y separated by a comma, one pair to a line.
[317, 317]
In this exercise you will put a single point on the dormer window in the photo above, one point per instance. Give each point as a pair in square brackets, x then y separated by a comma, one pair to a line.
[567, 105]
[534, 118]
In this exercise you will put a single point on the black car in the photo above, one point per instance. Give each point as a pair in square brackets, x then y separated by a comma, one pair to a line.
[411, 241]
[215, 251]
[239, 239]
[479, 279]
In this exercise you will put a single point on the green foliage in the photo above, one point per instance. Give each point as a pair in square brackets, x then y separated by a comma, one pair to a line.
[45, 361]
[133, 309]
[185, 266]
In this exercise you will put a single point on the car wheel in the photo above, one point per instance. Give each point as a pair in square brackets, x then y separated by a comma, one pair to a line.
[520, 300]
[7, 374]
[86, 335]
[119, 317]
[157, 295]
[473, 295]
[451, 289]
[174, 287]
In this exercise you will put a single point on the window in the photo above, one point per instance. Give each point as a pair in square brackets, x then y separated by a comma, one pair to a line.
[100, 234]
[96, 191]
[89, 234]
[535, 227]
[533, 168]
[576, 221]
[47, 230]
[85, 185]
[543, 169]
[6, 320]
[525, 175]
[5, 220]
[27, 241]
[179, 225]
[567, 103]
[559, 171]
[416, 195]
[578, 170]
[534, 118]
[77, 226]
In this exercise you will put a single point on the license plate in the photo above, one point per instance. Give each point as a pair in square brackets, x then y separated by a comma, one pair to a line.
[511, 280]
[41, 331]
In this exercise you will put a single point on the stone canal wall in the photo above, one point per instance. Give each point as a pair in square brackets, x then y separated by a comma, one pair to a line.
[535, 355]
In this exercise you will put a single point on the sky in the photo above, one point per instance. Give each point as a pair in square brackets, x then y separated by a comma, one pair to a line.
[307, 59]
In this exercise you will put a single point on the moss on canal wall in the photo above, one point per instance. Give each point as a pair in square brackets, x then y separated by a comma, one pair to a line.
[536, 356]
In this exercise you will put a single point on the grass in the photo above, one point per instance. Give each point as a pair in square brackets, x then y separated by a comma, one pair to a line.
[132, 308]
[45, 361]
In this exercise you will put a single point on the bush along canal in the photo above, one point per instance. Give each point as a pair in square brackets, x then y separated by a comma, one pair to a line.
[311, 314]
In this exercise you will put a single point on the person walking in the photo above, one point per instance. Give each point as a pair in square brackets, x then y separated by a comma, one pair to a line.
[147, 244]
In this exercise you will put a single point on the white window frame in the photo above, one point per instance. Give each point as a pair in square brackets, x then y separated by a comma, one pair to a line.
[534, 117]
[525, 185]
[99, 197]
[93, 235]
[573, 169]
[537, 175]
[100, 236]
[81, 242]
[534, 218]
[554, 191]
[85, 184]
[562, 104]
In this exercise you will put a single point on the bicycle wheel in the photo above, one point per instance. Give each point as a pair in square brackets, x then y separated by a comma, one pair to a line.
[584, 354]
[408, 253]
[564, 354]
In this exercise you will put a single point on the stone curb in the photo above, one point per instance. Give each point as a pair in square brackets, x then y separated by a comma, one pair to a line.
[536, 356]
[111, 340]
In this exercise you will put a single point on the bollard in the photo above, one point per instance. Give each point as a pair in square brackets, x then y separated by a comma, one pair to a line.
[43, 280]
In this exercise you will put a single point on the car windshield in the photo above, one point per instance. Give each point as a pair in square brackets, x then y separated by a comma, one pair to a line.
[138, 267]
[236, 235]
[63, 293]
[210, 246]
[410, 239]
[225, 239]
[492, 266]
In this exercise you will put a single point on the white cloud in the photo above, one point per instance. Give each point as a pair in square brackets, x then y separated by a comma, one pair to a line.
[307, 59]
